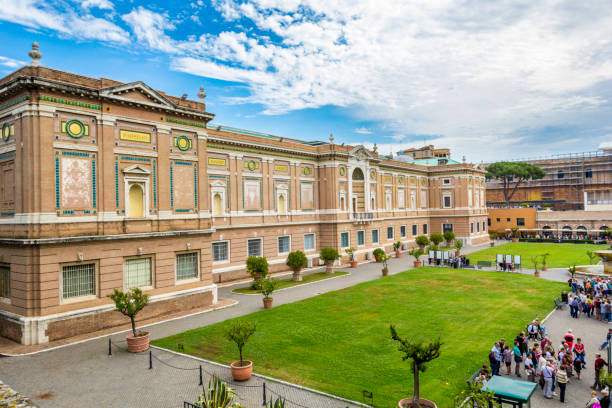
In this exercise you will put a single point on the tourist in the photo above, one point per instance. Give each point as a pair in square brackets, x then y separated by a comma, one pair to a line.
[529, 369]
[569, 339]
[579, 350]
[575, 307]
[593, 401]
[562, 381]
[523, 346]
[597, 307]
[507, 357]
[495, 359]
[578, 367]
[541, 329]
[604, 401]
[532, 330]
[518, 358]
[607, 311]
[547, 374]
[541, 364]
[607, 342]
[599, 364]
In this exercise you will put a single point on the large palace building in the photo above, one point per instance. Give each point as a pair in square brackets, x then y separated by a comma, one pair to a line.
[109, 185]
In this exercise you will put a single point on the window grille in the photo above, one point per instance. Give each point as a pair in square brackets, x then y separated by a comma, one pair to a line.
[5, 282]
[187, 266]
[138, 273]
[283, 245]
[78, 280]
[309, 242]
[219, 250]
[254, 247]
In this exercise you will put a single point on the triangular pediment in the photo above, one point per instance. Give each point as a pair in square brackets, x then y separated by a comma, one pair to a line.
[137, 170]
[361, 153]
[136, 91]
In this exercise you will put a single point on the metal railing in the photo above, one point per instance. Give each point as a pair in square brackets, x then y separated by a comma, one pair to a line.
[362, 216]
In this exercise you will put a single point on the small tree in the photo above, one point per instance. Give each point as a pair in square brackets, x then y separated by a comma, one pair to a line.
[268, 285]
[416, 252]
[420, 354]
[422, 241]
[544, 258]
[436, 238]
[492, 235]
[239, 332]
[378, 254]
[257, 267]
[592, 257]
[572, 270]
[515, 232]
[536, 261]
[449, 236]
[476, 397]
[385, 259]
[397, 245]
[350, 252]
[458, 245]
[329, 254]
[129, 303]
[512, 175]
[296, 260]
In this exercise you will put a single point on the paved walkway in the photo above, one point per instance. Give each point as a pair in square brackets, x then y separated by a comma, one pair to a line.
[69, 376]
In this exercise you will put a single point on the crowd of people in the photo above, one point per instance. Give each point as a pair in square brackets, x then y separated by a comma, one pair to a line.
[536, 359]
[590, 297]
[452, 261]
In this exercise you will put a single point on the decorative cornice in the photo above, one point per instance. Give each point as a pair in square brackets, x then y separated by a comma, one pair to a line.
[14, 102]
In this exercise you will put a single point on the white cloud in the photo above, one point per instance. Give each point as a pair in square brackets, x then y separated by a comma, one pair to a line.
[11, 63]
[363, 131]
[66, 21]
[101, 4]
[150, 28]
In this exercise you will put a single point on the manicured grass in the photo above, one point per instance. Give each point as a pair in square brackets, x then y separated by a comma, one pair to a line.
[287, 283]
[339, 342]
[561, 255]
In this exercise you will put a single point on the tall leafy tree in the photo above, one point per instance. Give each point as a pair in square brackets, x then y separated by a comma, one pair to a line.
[512, 174]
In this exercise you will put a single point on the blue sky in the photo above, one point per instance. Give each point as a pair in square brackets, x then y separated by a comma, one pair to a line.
[490, 80]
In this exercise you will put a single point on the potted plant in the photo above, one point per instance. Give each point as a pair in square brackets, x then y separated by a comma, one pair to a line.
[492, 235]
[396, 247]
[458, 246]
[419, 353]
[218, 395]
[257, 267]
[436, 238]
[239, 332]
[268, 285]
[515, 234]
[572, 270]
[351, 254]
[416, 252]
[129, 304]
[449, 236]
[297, 260]
[544, 257]
[384, 260]
[536, 261]
[378, 254]
[422, 241]
[329, 255]
[592, 257]
[474, 396]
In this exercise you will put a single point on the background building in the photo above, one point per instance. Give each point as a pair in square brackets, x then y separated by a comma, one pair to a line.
[575, 181]
[116, 185]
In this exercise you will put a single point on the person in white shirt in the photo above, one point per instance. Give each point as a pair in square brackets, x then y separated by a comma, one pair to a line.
[541, 364]
[547, 373]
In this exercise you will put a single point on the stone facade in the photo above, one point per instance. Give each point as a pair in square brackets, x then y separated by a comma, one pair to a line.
[113, 185]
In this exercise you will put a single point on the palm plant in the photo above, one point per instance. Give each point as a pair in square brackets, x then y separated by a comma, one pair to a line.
[218, 395]
[278, 403]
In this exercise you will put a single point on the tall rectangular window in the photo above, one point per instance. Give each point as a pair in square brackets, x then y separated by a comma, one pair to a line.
[484, 226]
[447, 201]
[284, 244]
[254, 247]
[375, 236]
[187, 266]
[344, 240]
[78, 280]
[360, 237]
[309, 242]
[447, 227]
[425, 229]
[403, 231]
[415, 229]
[5, 282]
[220, 251]
[488, 222]
[138, 273]
[472, 227]
[477, 227]
[588, 173]
[520, 221]
[389, 232]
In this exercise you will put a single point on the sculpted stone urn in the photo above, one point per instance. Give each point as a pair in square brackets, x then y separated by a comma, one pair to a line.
[606, 259]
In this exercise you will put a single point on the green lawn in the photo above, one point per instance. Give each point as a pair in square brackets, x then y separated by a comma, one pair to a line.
[339, 342]
[287, 283]
[561, 255]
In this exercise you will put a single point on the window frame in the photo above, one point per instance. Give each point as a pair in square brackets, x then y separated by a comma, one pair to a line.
[129, 258]
[212, 250]
[81, 298]
[260, 239]
[178, 281]
[377, 236]
[415, 230]
[314, 242]
[348, 239]
[402, 231]
[425, 229]
[6, 299]
[364, 238]
[521, 223]
[278, 239]
[471, 227]
[392, 230]
[450, 200]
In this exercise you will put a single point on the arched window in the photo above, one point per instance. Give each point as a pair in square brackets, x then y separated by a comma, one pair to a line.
[602, 231]
[136, 195]
[567, 231]
[357, 174]
[281, 204]
[217, 204]
[581, 231]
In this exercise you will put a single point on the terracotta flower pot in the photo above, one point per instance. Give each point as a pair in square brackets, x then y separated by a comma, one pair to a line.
[241, 373]
[424, 403]
[138, 344]
[354, 264]
[537, 274]
[329, 267]
[492, 244]
[297, 275]
[267, 303]
[515, 240]
[385, 271]
[417, 263]
[544, 268]
[398, 254]
[457, 253]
